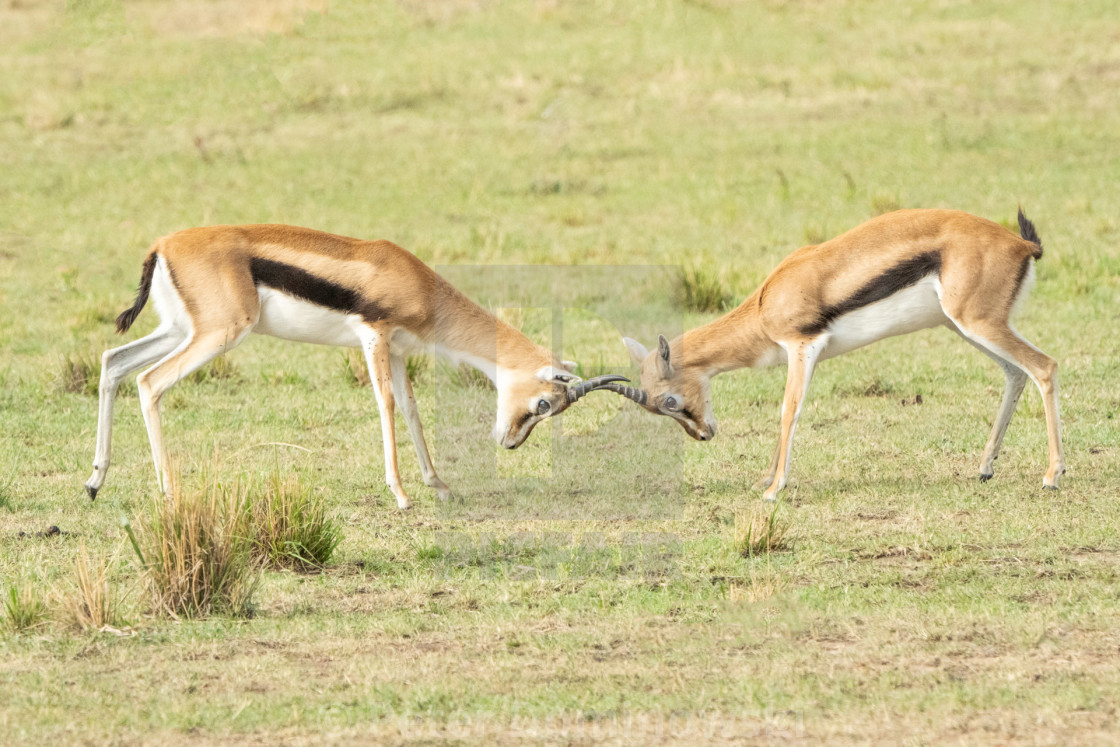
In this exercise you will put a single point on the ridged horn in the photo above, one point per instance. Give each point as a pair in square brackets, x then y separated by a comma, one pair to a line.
[590, 385]
[638, 395]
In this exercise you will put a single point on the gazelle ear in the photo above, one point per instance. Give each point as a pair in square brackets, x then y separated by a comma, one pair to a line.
[663, 364]
[570, 366]
[559, 375]
[637, 350]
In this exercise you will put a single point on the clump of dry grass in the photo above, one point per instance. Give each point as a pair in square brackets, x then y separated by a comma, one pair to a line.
[881, 205]
[79, 373]
[463, 376]
[762, 585]
[93, 605]
[24, 609]
[357, 373]
[219, 368]
[702, 290]
[290, 525]
[758, 531]
[196, 547]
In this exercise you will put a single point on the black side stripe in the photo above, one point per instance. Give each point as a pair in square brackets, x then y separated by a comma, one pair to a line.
[899, 277]
[302, 284]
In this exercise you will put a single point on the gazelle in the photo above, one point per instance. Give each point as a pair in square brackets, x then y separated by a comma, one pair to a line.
[214, 286]
[897, 273]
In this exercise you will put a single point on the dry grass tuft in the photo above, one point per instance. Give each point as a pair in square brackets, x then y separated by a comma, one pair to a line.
[881, 205]
[357, 373]
[79, 373]
[763, 584]
[465, 377]
[219, 368]
[759, 532]
[197, 552]
[290, 525]
[24, 609]
[93, 606]
[701, 289]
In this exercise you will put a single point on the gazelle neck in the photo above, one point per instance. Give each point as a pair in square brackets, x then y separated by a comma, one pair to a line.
[735, 340]
[467, 333]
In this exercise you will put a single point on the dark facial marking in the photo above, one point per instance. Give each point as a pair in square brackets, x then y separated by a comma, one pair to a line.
[302, 284]
[520, 423]
[902, 275]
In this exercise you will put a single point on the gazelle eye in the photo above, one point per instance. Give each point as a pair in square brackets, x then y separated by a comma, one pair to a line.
[543, 406]
[671, 404]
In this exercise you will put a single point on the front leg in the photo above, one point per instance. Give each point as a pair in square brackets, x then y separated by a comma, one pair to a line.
[375, 347]
[402, 390]
[768, 479]
[802, 359]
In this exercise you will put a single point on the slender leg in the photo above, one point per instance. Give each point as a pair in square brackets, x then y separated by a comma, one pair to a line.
[115, 365]
[1015, 380]
[154, 383]
[375, 346]
[402, 391]
[1002, 341]
[802, 359]
[768, 479]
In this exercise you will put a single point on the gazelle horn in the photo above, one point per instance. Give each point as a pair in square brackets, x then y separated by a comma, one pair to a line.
[638, 395]
[596, 382]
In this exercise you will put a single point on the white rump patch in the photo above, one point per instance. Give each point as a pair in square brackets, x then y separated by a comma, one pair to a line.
[1024, 290]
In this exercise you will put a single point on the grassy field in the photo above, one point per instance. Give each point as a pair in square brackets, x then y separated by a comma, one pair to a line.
[588, 588]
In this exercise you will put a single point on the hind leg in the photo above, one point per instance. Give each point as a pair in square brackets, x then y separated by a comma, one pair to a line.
[115, 365]
[1015, 379]
[153, 383]
[1003, 342]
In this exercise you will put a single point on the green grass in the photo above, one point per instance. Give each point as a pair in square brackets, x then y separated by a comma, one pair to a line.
[290, 528]
[587, 587]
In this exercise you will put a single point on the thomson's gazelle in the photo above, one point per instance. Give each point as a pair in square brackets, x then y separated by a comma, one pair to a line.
[213, 286]
[898, 273]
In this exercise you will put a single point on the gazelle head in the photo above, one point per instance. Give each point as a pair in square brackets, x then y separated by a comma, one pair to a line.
[528, 395]
[670, 387]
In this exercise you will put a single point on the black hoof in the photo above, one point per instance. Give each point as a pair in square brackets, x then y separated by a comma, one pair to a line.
[1049, 487]
[985, 478]
[92, 492]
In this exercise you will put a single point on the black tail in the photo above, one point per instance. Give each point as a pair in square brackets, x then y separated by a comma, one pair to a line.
[128, 316]
[1028, 232]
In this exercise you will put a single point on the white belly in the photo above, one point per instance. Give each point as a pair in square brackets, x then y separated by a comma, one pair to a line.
[290, 318]
[909, 310]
